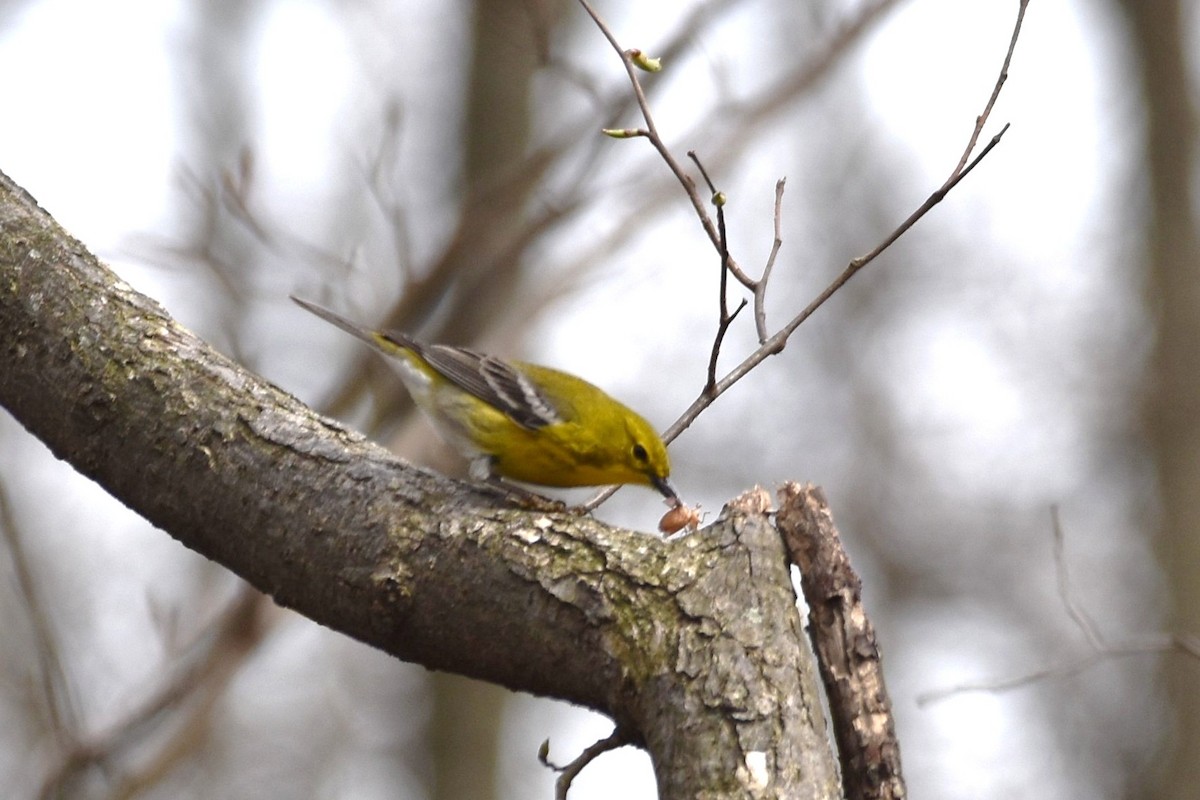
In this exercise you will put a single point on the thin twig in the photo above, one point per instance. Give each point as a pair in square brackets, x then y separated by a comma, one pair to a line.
[724, 318]
[987, 109]
[938, 195]
[775, 344]
[1073, 667]
[1100, 650]
[1075, 609]
[652, 135]
[618, 738]
[760, 289]
[722, 328]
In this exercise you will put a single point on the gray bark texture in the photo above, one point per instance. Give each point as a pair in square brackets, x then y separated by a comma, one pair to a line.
[692, 645]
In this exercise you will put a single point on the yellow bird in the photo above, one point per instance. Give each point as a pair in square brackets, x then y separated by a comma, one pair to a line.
[522, 421]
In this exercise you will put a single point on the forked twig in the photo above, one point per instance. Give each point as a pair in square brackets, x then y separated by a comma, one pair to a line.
[651, 134]
[760, 290]
[774, 344]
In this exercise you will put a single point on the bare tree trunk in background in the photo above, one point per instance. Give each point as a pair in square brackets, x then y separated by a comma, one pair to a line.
[464, 737]
[1172, 406]
[467, 715]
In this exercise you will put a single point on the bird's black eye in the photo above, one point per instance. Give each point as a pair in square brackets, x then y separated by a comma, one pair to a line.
[639, 453]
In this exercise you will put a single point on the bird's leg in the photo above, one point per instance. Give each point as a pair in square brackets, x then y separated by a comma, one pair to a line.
[481, 469]
[525, 498]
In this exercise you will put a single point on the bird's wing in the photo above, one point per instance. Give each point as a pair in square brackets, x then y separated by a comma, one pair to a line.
[494, 381]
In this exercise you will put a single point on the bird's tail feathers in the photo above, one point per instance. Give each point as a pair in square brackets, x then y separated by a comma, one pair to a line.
[389, 342]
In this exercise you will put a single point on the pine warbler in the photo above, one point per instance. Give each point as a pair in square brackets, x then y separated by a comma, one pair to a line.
[522, 421]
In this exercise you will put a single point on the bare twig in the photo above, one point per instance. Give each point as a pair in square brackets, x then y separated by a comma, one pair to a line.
[618, 738]
[775, 344]
[1071, 667]
[938, 195]
[652, 135]
[722, 328]
[1075, 609]
[724, 318]
[760, 289]
[987, 109]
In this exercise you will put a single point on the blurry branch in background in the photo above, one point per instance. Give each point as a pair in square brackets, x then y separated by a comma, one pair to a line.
[182, 702]
[55, 688]
[795, 83]
[458, 290]
[202, 669]
[1075, 610]
[774, 344]
[458, 278]
[1100, 650]
[231, 197]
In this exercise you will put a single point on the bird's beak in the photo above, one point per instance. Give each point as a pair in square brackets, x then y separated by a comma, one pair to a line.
[664, 487]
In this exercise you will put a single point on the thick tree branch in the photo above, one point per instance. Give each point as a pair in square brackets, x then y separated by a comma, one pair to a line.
[693, 643]
[844, 638]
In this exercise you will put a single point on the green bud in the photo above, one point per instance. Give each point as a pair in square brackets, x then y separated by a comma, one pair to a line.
[645, 62]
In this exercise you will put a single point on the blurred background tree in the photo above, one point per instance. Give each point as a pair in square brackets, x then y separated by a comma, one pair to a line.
[439, 166]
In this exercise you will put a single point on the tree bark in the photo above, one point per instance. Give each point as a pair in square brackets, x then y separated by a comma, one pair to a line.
[1158, 35]
[692, 645]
